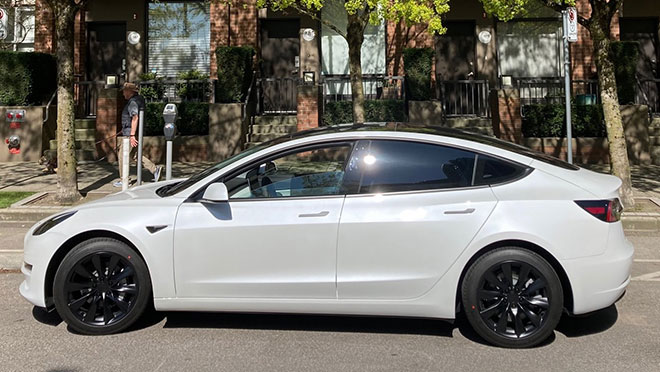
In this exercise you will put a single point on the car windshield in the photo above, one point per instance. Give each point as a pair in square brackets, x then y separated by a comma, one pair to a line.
[176, 188]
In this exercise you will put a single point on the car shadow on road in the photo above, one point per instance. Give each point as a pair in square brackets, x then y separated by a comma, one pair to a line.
[589, 324]
[311, 323]
[44, 317]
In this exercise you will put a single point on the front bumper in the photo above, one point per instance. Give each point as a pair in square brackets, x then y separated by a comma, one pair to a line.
[599, 281]
[38, 252]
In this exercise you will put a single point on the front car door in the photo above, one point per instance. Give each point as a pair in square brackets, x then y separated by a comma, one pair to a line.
[275, 238]
[413, 211]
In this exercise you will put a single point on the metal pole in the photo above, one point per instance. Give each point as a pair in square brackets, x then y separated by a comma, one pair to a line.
[125, 151]
[168, 162]
[139, 149]
[567, 88]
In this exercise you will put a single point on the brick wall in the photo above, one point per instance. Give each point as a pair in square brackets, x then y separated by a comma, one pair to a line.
[398, 37]
[240, 31]
[507, 118]
[44, 24]
[309, 97]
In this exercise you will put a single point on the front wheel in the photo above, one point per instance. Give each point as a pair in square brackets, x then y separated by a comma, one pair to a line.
[512, 297]
[101, 287]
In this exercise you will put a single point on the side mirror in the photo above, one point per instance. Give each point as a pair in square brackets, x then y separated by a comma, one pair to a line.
[216, 193]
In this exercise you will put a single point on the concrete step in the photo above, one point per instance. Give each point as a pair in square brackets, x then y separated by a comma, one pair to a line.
[655, 122]
[654, 131]
[274, 129]
[276, 120]
[467, 122]
[80, 145]
[85, 123]
[85, 134]
[263, 137]
[654, 140]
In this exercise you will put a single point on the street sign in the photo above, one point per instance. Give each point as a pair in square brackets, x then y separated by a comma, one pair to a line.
[3, 24]
[572, 31]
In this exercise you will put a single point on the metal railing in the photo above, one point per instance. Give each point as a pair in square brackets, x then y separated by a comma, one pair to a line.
[464, 98]
[85, 96]
[648, 93]
[277, 95]
[551, 91]
[338, 87]
[174, 90]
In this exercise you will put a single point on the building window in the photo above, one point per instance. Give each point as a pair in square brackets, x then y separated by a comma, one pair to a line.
[179, 37]
[20, 28]
[530, 48]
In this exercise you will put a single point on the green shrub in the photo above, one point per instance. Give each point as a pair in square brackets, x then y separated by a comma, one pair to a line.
[625, 55]
[341, 112]
[417, 63]
[26, 78]
[152, 92]
[549, 121]
[234, 73]
[193, 119]
[193, 91]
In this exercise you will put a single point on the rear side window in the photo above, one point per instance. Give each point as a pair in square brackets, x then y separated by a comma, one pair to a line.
[389, 166]
[491, 171]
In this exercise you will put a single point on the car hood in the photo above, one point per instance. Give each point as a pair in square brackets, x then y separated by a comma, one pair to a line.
[143, 192]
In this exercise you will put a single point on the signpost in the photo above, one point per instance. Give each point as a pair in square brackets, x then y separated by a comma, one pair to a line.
[570, 36]
[3, 24]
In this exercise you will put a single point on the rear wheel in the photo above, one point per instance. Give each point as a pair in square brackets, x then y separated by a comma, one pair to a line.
[101, 287]
[512, 297]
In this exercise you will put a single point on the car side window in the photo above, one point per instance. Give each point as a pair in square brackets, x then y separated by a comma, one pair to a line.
[492, 171]
[309, 172]
[379, 166]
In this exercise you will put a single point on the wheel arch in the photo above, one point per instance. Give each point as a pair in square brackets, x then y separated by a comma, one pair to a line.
[563, 277]
[71, 243]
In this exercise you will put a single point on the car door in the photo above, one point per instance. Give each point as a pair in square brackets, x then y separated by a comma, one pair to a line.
[412, 211]
[275, 238]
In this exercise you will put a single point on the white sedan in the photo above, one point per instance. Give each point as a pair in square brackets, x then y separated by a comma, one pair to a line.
[386, 220]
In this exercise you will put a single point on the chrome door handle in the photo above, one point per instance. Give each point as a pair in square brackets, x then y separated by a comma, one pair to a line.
[320, 214]
[465, 211]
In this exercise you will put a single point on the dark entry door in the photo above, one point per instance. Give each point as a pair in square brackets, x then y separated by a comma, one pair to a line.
[106, 52]
[280, 51]
[455, 55]
[645, 32]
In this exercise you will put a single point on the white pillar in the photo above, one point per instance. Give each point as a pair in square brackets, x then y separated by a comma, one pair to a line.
[126, 161]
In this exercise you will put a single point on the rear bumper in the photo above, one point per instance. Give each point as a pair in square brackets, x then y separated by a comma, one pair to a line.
[599, 281]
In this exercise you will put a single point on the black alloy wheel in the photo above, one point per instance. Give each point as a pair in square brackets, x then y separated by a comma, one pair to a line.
[512, 298]
[101, 287]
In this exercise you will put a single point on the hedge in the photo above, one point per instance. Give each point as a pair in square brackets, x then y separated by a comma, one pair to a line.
[417, 63]
[625, 55]
[549, 121]
[341, 112]
[26, 78]
[193, 119]
[234, 73]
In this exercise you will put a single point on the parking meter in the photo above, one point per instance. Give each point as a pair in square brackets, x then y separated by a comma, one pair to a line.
[169, 114]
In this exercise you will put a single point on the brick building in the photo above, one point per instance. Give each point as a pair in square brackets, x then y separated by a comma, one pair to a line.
[302, 65]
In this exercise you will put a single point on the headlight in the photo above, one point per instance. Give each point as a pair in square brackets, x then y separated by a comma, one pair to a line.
[54, 221]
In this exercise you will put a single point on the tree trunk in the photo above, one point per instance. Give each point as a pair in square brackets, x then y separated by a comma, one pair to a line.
[600, 34]
[67, 178]
[355, 37]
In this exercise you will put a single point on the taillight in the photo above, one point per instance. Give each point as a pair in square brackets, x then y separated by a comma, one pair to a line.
[604, 210]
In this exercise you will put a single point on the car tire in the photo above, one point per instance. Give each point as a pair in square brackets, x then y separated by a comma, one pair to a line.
[102, 286]
[512, 297]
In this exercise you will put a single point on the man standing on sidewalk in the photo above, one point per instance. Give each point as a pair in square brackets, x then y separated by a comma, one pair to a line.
[129, 126]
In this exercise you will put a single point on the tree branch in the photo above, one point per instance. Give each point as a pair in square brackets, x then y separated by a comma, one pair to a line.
[314, 16]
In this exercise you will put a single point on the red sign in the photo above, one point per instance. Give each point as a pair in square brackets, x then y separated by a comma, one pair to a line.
[14, 125]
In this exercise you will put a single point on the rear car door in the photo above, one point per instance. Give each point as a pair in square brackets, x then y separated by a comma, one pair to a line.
[412, 211]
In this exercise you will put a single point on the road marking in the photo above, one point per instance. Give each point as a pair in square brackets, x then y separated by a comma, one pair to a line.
[650, 277]
[651, 260]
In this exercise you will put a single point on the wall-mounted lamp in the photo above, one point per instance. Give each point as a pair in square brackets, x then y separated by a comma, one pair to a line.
[111, 81]
[309, 77]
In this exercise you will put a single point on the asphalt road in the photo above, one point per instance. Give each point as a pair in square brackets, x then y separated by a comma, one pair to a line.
[624, 337]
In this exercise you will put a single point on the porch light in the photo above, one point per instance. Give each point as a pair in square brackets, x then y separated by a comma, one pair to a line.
[507, 80]
[309, 77]
[111, 81]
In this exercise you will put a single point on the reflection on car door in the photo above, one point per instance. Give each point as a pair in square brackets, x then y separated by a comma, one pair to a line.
[412, 213]
[275, 238]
